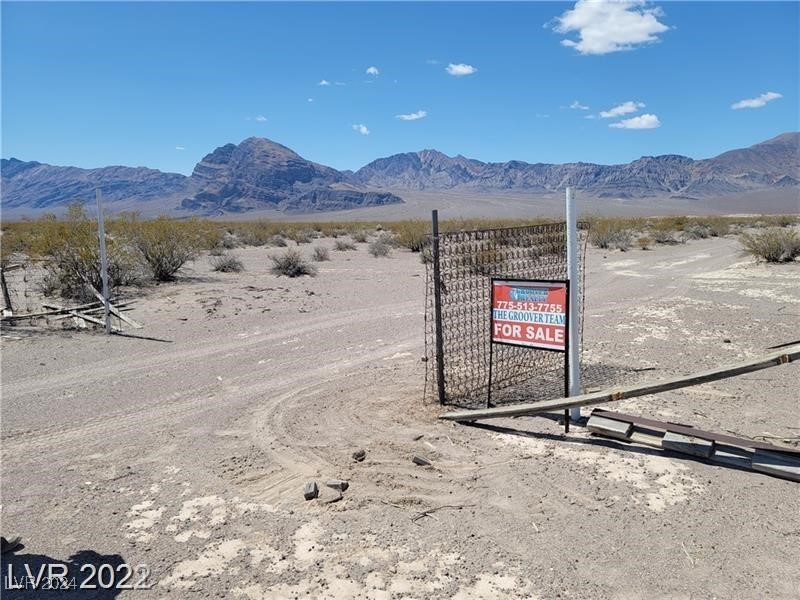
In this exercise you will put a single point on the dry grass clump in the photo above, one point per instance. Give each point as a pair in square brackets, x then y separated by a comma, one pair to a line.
[227, 263]
[645, 242]
[774, 244]
[321, 254]
[292, 264]
[344, 245]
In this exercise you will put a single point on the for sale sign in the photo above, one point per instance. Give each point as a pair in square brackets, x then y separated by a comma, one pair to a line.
[530, 313]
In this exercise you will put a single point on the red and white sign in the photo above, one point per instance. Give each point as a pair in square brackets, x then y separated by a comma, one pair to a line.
[530, 313]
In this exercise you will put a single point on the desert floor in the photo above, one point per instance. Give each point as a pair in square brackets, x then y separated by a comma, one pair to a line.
[188, 452]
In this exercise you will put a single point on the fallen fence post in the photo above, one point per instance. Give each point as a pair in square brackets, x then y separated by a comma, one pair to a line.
[787, 355]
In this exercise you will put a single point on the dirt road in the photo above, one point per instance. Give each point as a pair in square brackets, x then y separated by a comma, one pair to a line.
[188, 452]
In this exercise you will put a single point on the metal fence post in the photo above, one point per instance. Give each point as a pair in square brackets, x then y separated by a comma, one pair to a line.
[574, 307]
[101, 234]
[437, 309]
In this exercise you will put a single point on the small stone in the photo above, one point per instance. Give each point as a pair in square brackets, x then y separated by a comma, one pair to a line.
[359, 455]
[420, 460]
[311, 490]
[726, 341]
[338, 484]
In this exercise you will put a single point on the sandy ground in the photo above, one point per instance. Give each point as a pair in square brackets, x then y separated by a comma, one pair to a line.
[188, 452]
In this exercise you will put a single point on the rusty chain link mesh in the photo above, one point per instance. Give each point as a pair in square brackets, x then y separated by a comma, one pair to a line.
[468, 260]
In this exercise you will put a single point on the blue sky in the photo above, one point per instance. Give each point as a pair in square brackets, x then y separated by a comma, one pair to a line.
[162, 84]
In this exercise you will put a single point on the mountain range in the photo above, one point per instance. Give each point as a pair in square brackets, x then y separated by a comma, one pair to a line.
[260, 174]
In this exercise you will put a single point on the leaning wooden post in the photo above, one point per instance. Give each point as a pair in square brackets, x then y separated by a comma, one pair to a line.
[574, 348]
[8, 310]
[437, 308]
[101, 234]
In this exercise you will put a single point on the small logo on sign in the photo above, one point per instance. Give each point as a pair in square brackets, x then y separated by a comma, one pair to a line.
[529, 294]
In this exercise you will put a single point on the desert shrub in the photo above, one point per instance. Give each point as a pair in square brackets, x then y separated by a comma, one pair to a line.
[277, 240]
[388, 239]
[610, 233]
[227, 263]
[663, 232]
[301, 236]
[321, 254]
[217, 251]
[696, 231]
[166, 245]
[292, 264]
[772, 245]
[343, 245]
[72, 252]
[718, 227]
[426, 255]
[361, 237]
[230, 241]
[379, 248]
[411, 234]
[645, 242]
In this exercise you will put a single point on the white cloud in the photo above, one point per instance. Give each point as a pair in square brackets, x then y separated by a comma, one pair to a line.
[261, 119]
[756, 102]
[646, 121]
[460, 69]
[605, 26]
[339, 83]
[362, 129]
[576, 105]
[420, 114]
[432, 61]
[181, 148]
[625, 108]
[542, 116]
[373, 71]
[324, 82]
[310, 99]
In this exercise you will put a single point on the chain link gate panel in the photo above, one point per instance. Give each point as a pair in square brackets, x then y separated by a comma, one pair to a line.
[467, 262]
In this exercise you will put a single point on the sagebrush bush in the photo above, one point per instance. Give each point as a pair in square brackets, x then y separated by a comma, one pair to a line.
[292, 264]
[773, 245]
[361, 237]
[379, 248]
[321, 254]
[343, 245]
[227, 263]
